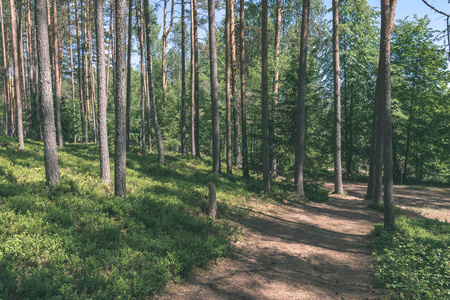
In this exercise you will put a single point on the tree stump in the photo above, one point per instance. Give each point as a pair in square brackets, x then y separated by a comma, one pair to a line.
[212, 208]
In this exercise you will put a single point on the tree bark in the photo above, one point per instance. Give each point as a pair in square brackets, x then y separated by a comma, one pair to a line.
[192, 82]
[80, 75]
[45, 84]
[245, 167]
[387, 22]
[130, 7]
[120, 99]
[234, 91]
[91, 75]
[163, 59]
[197, 85]
[147, 95]
[56, 69]
[276, 79]
[183, 82]
[144, 107]
[6, 74]
[150, 89]
[300, 136]
[214, 87]
[227, 85]
[72, 77]
[338, 189]
[17, 92]
[105, 172]
[265, 100]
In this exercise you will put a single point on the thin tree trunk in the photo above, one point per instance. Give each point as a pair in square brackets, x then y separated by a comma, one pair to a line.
[130, 7]
[17, 93]
[373, 145]
[105, 172]
[72, 77]
[183, 82]
[91, 74]
[408, 130]
[265, 100]
[276, 79]
[300, 136]
[227, 85]
[192, 82]
[110, 45]
[80, 84]
[144, 107]
[5, 70]
[163, 59]
[157, 129]
[387, 22]
[214, 87]
[120, 99]
[22, 68]
[197, 85]
[245, 167]
[147, 95]
[87, 116]
[56, 69]
[378, 162]
[234, 91]
[338, 189]
[45, 77]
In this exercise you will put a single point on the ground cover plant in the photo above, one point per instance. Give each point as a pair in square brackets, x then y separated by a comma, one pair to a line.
[413, 262]
[79, 241]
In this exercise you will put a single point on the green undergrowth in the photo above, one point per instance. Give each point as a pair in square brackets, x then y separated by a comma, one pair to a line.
[413, 262]
[79, 241]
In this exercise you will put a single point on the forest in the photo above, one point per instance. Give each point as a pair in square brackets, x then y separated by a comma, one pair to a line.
[117, 117]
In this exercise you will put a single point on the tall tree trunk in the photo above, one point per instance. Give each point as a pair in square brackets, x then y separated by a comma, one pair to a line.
[105, 172]
[110, 45]
[72, 77]
[120, 99]
[183, 82]
[234, 91]
[192, 81]
[22, 68]
[408, 130]
[17, 93]
[130, 7]
[157, 129]
[265, 101]
[56, 70]
[6, 73]
[197, 83]
[45, 79]
[387, 22]
[378, 163]
[144, 107]
[227, 85]
[370, 194]
[276, 79]
[245, 168]
[145, 74]
[338, 189]
[91, 74]
[300, 136]
[80, 75]
[214, 87]
[87, 116]
[163, 54]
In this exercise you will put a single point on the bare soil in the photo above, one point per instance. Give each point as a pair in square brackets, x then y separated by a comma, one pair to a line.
[306, 250]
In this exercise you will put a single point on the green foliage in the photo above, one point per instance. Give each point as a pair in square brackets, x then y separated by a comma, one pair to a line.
[78, 241]
[413, 262]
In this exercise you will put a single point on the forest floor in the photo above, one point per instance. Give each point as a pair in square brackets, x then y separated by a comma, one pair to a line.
[307, 250]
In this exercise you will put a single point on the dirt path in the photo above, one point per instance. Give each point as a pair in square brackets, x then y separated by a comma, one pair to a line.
[296, 251]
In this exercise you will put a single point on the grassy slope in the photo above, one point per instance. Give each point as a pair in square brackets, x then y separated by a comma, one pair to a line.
[78, 241]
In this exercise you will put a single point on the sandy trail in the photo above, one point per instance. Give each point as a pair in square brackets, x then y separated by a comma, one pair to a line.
[303, 251]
